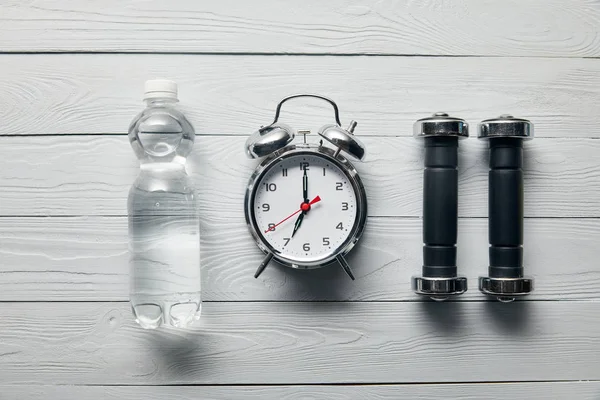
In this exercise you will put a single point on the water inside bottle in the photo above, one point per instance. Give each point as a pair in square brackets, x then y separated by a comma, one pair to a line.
[165, 271]
[165, 258]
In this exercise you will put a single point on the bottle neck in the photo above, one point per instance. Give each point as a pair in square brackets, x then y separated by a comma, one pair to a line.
[160, 101]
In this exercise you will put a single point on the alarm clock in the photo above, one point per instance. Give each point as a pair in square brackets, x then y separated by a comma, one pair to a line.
[305, 204]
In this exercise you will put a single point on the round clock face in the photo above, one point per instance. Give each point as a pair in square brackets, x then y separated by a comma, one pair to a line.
[304, 208]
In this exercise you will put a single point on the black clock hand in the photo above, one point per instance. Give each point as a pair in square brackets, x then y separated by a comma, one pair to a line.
[298, 222]
[304, 207]
[305, 186]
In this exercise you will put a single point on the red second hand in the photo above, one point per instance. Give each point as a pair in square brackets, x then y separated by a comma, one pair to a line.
[313, 201]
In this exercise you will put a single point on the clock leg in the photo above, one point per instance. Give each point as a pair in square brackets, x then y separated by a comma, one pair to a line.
[263, 265]
[345, 266]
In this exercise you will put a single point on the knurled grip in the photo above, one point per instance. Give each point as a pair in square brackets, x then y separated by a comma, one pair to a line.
[506, 208]
[440, 206]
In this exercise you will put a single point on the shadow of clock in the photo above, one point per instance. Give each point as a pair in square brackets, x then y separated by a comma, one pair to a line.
[328, 283]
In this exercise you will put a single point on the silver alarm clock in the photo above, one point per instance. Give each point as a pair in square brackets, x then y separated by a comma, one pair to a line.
[305, 204]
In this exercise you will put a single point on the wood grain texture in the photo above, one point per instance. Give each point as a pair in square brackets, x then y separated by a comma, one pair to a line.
[86, 259]
[466, 27]
[303, 343]
[516, 391]
[86, 93]
[75, 175]
[294, 335]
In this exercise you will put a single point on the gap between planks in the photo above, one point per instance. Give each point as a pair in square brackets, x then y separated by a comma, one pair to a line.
[223, 135]
[411, 217]
[323, 384]
[297, 54]
[415, 300]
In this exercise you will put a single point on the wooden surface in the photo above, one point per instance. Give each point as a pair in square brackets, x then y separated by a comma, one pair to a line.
[69, 85]
[235, 95]
[464, 27]
[526, 391]
[75, 175]
[303, 343]
[85, 259]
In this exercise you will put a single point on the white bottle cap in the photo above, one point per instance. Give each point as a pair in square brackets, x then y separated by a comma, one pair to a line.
[160, 88]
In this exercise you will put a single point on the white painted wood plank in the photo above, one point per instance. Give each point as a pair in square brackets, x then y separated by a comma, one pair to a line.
[85, 259]
[64, 259]
[303, 343]
[487, 391]
[73, 175]
[86, 93]
[466, 27]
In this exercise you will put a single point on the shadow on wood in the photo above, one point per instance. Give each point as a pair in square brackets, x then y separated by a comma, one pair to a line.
[182, 351]
[329, 282]
[510, 318]
[446, 318]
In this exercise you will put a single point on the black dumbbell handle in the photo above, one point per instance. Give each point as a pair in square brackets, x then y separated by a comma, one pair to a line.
[505, 208]
[440, 207]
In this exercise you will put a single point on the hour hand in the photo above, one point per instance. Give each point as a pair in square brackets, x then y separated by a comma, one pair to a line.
[298, 223]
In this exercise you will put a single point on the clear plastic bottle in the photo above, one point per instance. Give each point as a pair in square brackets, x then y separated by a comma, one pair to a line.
[164, 237]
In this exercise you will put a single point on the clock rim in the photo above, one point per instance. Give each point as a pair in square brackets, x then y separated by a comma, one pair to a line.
[345, 166]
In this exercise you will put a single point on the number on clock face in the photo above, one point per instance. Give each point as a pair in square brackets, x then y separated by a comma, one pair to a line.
[324, 227]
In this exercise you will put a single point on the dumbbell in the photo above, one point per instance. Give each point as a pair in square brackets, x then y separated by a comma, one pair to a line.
[505, 278]
[440, 134]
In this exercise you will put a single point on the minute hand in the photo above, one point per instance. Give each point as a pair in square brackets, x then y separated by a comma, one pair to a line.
[305, 186]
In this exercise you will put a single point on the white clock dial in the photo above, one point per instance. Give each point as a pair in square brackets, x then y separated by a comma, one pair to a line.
[324, 227]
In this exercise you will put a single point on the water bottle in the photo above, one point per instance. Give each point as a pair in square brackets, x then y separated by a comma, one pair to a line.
[164, 238]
